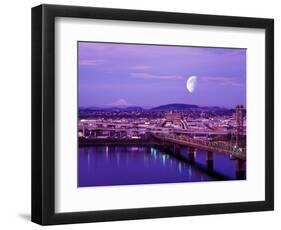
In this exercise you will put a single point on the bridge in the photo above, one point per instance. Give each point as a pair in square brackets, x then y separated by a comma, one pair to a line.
[173, 143]
[234, 151]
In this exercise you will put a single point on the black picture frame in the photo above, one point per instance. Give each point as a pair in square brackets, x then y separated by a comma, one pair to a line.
[43, 114]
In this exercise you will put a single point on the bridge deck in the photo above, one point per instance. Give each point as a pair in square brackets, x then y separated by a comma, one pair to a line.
[203, 145]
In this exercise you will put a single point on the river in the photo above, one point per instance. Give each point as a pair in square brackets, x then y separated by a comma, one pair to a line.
[128, 165]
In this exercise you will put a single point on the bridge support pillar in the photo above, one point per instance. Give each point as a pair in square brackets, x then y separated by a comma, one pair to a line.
[83, 131]
[210, 161]
[191, 154]
[174, 149]
[240, 170]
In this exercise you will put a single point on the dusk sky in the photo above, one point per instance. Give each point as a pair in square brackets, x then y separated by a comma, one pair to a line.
[149, 75]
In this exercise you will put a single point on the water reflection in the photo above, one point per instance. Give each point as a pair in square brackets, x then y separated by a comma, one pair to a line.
[106, 152]
[124, 165]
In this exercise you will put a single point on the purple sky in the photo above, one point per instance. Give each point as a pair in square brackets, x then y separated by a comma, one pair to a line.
[149, 75]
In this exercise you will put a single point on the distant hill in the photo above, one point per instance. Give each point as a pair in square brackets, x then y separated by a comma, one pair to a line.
[168, 107]
[213, 107]
[123, 108]
[132, 108]
[175, 107]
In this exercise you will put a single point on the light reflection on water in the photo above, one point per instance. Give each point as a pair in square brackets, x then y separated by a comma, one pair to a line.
[125, 165]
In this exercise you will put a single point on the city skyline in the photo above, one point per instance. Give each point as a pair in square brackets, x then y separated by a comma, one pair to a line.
[112, 74]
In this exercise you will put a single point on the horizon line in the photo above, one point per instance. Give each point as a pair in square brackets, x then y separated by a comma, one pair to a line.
[153, 106]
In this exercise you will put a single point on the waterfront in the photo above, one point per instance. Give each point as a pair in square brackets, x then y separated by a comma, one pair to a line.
[128, 165]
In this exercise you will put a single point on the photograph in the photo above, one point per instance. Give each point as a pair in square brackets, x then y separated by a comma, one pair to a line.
[151, 114]
[142, 113]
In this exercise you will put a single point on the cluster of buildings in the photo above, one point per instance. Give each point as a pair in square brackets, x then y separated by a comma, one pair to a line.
[199, 124]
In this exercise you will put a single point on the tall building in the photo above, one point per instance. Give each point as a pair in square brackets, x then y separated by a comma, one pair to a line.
[173, 119]
[172, 116]
[239, 124]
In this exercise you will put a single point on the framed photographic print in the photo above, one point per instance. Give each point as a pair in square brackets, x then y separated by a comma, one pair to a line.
[142, 114]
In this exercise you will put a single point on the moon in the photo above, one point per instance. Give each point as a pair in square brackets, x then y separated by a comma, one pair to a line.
[191, 83]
